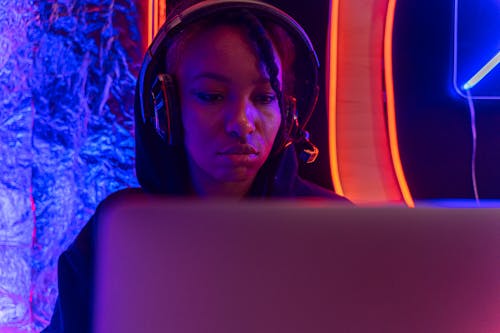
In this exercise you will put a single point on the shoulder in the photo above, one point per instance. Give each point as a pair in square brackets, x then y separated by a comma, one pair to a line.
[305, 188]
[288, 183]
[118, 197]
[85, 241]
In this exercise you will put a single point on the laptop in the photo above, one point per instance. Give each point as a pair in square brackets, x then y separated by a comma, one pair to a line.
[189, 266]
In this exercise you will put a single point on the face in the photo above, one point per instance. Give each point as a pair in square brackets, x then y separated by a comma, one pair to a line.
[229, 110]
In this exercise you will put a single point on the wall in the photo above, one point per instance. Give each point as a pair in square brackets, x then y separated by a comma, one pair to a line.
[67, 77]
[434, 122]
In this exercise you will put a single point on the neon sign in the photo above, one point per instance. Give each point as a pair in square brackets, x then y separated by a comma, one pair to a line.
[477, 48]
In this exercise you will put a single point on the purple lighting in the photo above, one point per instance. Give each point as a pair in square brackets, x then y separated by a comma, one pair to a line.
[67, 77]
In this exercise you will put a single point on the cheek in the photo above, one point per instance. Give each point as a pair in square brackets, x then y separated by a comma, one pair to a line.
[191, 126]
[193, 129]
[190, 115]
[272, 124]
[198, 126]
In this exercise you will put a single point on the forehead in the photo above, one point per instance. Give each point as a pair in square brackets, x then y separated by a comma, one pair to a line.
[220, 41]
[223, 47]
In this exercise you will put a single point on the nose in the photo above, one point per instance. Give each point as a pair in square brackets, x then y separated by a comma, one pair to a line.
[240, 120]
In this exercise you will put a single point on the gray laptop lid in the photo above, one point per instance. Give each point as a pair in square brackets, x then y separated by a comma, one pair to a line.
[304, 266]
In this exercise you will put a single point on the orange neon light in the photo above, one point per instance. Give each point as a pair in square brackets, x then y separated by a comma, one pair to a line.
[156, 17]
[331, 82]
[391, 105]
[150, 21]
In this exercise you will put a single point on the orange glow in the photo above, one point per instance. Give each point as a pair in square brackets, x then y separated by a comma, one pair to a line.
[162, 13]
[156, 17]
[331, 82]
[150, 21]
[391, 107]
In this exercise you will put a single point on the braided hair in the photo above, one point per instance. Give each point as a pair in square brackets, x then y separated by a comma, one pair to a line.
[260, 37]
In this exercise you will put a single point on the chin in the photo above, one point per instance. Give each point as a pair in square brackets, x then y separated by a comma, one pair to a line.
[238, 175]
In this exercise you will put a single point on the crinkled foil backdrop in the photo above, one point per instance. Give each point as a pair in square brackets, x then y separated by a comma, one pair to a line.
[67, 77]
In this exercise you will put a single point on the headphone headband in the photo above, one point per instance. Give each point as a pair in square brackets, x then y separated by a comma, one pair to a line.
[308, 89]
[208, 7]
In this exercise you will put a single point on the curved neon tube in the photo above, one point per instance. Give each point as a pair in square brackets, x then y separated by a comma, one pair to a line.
[156, 17]
[332, 94]
[150, 21]
[391, 108]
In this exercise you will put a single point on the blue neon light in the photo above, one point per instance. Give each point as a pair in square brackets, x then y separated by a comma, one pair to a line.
[476, 49]
[490, 65]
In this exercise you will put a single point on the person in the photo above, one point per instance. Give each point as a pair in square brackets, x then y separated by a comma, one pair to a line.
[216, 116]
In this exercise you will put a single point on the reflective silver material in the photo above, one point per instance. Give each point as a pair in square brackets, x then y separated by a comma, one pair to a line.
[66, 122]
[16, 156]
[15, 267]
[82, 137]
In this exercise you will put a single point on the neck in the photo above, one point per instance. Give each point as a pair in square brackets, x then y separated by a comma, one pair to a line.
[204, 185]
[232, 190]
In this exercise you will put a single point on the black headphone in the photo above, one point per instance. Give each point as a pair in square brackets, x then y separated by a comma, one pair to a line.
[158, 92]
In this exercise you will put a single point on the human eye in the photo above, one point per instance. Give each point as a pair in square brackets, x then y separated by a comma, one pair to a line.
[265, 98]
[208, 97]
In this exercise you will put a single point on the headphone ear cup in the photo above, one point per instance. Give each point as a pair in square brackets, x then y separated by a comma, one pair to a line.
[166, 117]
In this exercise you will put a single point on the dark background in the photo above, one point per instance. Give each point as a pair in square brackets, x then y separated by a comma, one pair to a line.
[434, 123]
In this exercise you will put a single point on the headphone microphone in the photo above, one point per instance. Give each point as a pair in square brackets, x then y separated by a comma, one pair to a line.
[160, 108]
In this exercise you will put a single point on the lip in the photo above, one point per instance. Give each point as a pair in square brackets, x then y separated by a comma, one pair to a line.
[240, 149]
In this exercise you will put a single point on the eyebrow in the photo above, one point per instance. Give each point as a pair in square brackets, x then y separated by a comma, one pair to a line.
[223, 78]
[211, 75]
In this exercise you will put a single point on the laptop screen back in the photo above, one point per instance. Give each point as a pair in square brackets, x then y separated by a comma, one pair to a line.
[304, 266]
